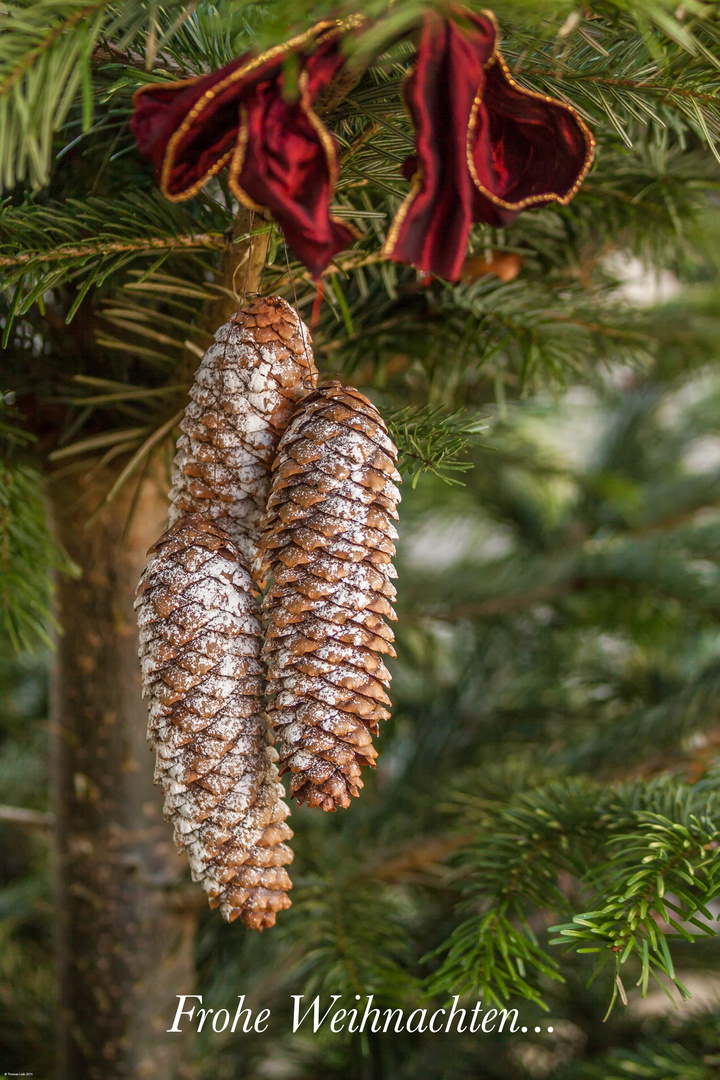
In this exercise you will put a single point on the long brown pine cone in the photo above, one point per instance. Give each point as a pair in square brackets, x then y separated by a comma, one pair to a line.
[328, 546]
[245, 391]
[200, 636]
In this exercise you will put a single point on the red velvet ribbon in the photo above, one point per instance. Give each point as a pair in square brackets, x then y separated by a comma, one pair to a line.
[281, 157]
[487, 148]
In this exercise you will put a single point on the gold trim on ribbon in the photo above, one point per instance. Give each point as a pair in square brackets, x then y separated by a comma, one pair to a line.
[531, 200]
[403, 210]
[416, 183]
[236, 165]
[293, 45]
[417, 180]
[326, 141]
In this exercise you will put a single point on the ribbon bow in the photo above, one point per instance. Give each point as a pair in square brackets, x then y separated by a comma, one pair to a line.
[487, 148]
[280, 156]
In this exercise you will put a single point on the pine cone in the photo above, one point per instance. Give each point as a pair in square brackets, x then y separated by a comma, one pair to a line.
[245, 391]
[200, 639]
[328, 544]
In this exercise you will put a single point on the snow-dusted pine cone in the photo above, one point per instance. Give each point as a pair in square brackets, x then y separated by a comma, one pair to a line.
[328, 546]
[200, 638]
[246, 389]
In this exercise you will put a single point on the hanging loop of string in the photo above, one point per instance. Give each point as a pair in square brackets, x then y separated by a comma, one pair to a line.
[307, 380]
[265, 262]
[246, 265]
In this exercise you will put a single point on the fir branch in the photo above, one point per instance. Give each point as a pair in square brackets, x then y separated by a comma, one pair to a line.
[661, 875]
[433, 440]
[29, 554]
[87, 241]
[646, 851]
[667, 94]
[46, 57]
[355, 940]
[44, 61]
[651, 564]
[687, 707]
[70, 253]
[519, 850]
[141, 457]
[155, 315]
[659, 1061]
[627, 81]
[46, 40]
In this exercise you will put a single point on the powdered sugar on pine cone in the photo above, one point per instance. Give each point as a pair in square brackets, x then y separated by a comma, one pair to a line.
[200, 638]
[245, 391]
[328, 546]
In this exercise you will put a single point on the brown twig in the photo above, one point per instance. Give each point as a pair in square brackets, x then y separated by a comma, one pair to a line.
[632, 84]
[29, 819]
[359, 141]
[214, 241]
[501, 605]
[29, 58]
[333, 268]
[423, 857]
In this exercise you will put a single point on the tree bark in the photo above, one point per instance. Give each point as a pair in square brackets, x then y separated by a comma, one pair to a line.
[125, 925]
[126, 908]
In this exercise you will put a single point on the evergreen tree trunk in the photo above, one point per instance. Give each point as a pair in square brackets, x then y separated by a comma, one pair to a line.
[125, 921]
[125, 931]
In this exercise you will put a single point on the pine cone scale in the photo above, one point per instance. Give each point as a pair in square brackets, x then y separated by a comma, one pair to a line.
[245, 390]
[205, 683]
[328, 546]
[306, 637]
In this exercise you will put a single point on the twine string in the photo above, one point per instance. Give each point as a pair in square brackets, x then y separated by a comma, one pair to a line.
[307, 380]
